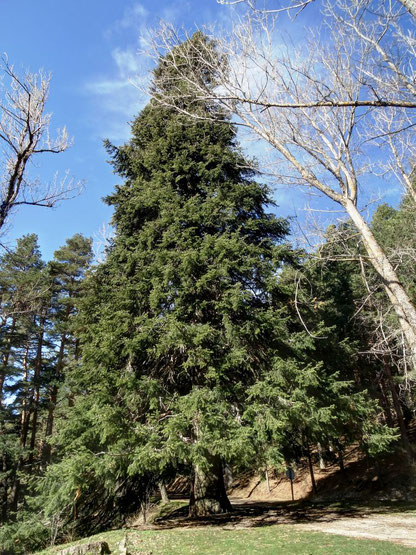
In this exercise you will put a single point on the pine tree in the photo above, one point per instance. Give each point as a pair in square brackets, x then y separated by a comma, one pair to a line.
[37, 343]
[25, 290]
[67, 271]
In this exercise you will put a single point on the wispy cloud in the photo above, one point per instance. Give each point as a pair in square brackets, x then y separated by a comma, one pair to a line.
[118, 95]
[127, 61]
[106, 87]
[131, 18]
[116, 102]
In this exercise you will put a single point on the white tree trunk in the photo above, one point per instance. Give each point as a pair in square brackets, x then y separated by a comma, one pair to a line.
[400, 300]
[410, 6]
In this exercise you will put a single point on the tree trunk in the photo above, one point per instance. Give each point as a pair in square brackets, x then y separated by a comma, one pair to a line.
[400, 300]
[385, 402]
[24, 427]
[228, 476]
[53, 397]
[311, 472]
[322, 464]
[398, 411]
[34, 425]
[410, 6]
[5, 488]
[163, 492]
[5, 360]
[4, 465]
[24, 420]
[266, 474]
[77, 356]
[36, 386]
[208, 495]
[341, 460]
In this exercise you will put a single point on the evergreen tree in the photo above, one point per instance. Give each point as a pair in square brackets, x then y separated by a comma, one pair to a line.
[186, 324]
[341, 300]
[37, 343]
[25, 290]
[186, 311]
[67, 271]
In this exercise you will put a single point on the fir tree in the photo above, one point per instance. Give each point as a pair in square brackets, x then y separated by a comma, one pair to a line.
[185, 313]
[191, 355]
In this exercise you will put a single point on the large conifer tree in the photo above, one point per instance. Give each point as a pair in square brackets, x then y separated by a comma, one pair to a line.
[183, 315]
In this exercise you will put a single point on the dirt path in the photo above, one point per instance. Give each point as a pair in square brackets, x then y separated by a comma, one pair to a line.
[394, 522]
[379, 523]
[395, 528]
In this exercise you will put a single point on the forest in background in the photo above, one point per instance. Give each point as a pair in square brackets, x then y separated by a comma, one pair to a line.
[205, 339]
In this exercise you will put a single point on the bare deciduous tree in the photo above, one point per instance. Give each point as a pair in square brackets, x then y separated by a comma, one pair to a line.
[24, 133]
[293, 7]
[296, 6]
[317, 105]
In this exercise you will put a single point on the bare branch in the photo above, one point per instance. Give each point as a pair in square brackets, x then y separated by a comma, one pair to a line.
[252, 4]
[322, 106]
[24, 133]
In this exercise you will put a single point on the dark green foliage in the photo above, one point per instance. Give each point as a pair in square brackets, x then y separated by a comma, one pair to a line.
[25, 293]
[184, 350]
[191, 350]
[186, 312]
[36, 346]
[342, 303]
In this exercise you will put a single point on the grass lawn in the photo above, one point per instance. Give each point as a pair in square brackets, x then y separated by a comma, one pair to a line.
[276, 539]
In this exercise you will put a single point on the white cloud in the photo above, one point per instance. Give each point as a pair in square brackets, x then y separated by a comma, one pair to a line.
[107, 87]
[116, 102]
[128, 61]
[132, 17]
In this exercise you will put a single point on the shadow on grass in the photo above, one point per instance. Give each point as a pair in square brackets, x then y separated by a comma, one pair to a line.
[252, 514]
[354, 493]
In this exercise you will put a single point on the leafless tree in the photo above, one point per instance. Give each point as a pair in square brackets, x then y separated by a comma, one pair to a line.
[317, 105]
[294, 6]
[24, 133]
[103, 239]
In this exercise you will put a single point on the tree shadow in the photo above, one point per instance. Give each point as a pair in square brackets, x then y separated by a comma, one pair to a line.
[363, 489]
[253, 514]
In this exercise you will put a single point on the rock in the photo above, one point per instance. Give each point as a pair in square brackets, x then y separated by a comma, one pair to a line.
[96, 548]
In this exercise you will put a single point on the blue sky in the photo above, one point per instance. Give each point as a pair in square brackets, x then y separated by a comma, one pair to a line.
[91, 48]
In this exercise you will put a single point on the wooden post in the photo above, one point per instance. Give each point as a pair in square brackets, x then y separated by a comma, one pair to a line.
[266, 472]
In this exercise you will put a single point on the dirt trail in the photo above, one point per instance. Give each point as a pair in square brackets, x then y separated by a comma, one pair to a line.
[395, 528]
[379, 523]
[395, 522]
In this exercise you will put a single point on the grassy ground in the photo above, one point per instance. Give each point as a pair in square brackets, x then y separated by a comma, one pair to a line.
[265, 540]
